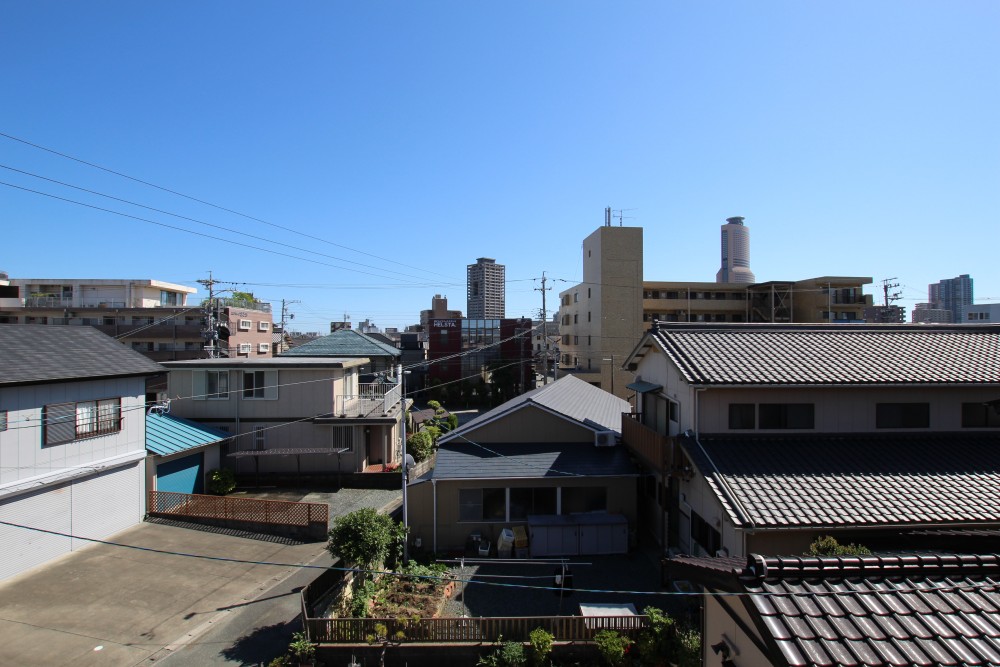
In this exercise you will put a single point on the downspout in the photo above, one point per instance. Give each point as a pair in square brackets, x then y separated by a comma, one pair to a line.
[434, 488]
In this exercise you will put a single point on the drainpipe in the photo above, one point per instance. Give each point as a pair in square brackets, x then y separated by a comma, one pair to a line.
[434, 488]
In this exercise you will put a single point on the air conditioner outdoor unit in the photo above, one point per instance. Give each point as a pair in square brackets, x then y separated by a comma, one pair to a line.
[604, 439]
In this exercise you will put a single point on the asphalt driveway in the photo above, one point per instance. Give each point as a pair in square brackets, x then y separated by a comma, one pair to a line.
[152, 589]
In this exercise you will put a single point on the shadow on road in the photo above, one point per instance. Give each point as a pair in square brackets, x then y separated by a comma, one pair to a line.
[263, 644]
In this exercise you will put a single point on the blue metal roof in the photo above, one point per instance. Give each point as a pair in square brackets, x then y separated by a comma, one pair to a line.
[167, 434]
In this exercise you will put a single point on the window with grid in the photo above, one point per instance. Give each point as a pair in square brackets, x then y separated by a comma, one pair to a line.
[245, 325]
[244, 348]
[66, 422]
[260, 384]
[263, 326]
[263, 348]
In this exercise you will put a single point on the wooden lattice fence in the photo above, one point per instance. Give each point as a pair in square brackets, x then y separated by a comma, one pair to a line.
[252, 512]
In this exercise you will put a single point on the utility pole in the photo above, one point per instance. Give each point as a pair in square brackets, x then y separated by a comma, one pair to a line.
[889, 298]
[212, 333]
[545, 330]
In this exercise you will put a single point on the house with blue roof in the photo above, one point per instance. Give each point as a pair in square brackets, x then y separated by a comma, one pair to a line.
[181, 452]
[351, 344]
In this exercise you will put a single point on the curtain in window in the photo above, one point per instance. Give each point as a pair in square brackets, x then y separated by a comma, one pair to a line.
[86, 418]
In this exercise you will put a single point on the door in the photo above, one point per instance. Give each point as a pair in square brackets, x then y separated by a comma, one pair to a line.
[183, 475]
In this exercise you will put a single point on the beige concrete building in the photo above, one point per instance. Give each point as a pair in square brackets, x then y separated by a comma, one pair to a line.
[601, 318]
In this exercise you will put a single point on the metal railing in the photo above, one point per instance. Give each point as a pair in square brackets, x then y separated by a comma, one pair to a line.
[372, 399]
[475, 630]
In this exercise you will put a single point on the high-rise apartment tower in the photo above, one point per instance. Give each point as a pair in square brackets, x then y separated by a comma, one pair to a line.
[486, 289]
[735, 253]
[951, 294]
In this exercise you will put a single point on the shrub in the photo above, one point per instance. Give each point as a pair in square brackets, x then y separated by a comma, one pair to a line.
[654, 643]
[829, 546]
[613, 646]
[363, 595]
[541, 646]
[221, 481]
[420, 446]
[367, 538]
[303, 649]
[435, 405]
[433, 431]
[452, 422]
[688, 644]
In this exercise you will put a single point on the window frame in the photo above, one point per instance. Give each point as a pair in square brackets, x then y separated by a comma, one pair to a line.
[987, 416]
[90, 419]
[784, 414]
[266, 391]
[888, 414]
[263, 325]
[738, 413]
[244, 348]
[244, 325]
[263, 348]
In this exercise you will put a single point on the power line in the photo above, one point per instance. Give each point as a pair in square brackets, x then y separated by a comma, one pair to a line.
[206, 203]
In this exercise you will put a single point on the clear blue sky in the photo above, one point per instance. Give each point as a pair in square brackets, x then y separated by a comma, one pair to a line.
[410, 138]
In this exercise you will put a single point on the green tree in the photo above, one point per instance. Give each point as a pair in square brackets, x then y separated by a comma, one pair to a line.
[367, 539]
[829, 546]
[540, 642]
[612, 646]
[420, 446]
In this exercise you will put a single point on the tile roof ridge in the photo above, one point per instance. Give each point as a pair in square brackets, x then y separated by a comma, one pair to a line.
[760, 568]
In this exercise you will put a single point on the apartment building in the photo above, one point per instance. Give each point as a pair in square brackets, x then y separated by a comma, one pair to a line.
[486, 289]
[601, 318]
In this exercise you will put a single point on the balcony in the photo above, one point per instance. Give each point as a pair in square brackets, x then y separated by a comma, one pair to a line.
[655, 450]
[372, 400]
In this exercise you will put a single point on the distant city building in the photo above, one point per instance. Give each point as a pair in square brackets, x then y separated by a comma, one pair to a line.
[438, 311]
[602, 317]
[735, 253]
[951, 294]
[981, 313]
[466, 349]
[486, 289]
[885, 314]
[926, 313]
[340, 325]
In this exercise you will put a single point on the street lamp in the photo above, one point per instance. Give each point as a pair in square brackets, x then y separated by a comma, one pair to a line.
[405, 462]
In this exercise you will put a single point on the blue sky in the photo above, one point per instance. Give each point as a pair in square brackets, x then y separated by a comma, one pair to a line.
[390, 144]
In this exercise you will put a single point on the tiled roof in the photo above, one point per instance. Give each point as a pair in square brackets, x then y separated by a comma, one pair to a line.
[31, 353]
[568, 396]
[833, 354]
[853, 480]
[343, 343]
[467, 460]
[878, 610]
[167, 434]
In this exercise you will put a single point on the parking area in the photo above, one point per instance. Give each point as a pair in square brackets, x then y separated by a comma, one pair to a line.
[528, 588]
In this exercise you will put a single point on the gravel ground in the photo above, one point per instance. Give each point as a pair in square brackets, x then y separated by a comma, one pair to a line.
[633, 577]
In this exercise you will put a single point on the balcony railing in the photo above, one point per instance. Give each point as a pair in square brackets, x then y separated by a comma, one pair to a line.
[372, 400]
[654, 449]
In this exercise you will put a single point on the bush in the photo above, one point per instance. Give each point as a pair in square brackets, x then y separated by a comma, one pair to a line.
[452, 422]
[420, 446]
[221, 481]
[688, 644]
[367, 538]
[541, 646]
[613, 646]
[655, 641]
[434, 405]
[829, 546]
[363, 595]
[506, 654]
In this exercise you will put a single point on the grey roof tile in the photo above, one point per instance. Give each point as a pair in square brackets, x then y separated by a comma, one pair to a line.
[343, 343]
[32, 353]
[855, 479]
[467, 460]
[832, 354]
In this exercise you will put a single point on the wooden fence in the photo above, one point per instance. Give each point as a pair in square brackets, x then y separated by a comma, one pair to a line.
[480, 630]
[312, 518]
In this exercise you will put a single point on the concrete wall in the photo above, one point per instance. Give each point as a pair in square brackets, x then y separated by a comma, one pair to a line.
[720, 626]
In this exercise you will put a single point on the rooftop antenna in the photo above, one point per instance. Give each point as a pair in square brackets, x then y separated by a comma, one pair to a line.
[620, 213]
[607, 216]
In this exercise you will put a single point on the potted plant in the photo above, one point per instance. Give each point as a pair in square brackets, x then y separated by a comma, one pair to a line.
[303, 649]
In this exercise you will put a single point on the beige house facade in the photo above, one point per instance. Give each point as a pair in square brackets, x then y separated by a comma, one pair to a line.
[291, 415]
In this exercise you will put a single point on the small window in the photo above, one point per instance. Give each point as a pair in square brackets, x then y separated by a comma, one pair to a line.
[576, 318]
[65, 422]
[576, 297]
[260, 384]
[263, 348]
[263, 326]
[258, 437]
[216, 384]
[980, 415]
[787, 415]
[742, 416]
[675, 409]
[3, 420]
[245, 325]
[902, 415]
[245, 348]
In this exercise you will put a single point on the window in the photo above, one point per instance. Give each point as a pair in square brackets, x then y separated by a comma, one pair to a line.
[245, 348]
[245, 325]
[980, 415]
[211, 384]
[705, 535]
[525, 501]
[576, 340]
[588, 315]
[260, 384]
[263, 326]
[168, 298]
[3, 420]
[584, 499]
[258, 437]
[263, 348]
[786, 415]
[576, 297]
[741, 416]
[343, 437]
[482, 504]
[588, 292]
[65, 422]
[902, 415]
[576, 318]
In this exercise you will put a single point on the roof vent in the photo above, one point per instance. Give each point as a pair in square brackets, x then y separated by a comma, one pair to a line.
[605, 439]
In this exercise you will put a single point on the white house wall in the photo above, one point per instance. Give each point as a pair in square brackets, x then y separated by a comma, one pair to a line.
[22, 454]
